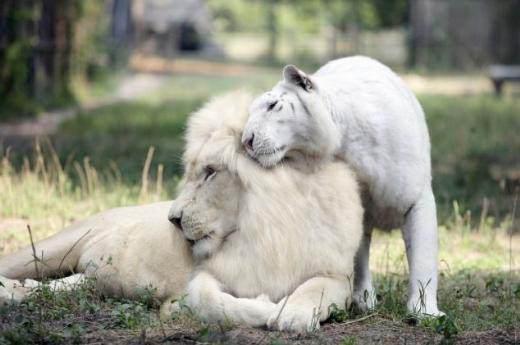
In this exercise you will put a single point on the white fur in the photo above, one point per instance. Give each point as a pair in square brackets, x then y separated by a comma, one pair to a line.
[126, 249]
[295, 232]
[358, 110]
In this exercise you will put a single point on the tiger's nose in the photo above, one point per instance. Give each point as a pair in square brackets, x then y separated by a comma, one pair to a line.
[248, 142]
[176, 220]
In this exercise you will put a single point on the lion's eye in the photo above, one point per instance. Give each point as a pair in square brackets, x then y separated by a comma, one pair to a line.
[209, 172]
[271, 105]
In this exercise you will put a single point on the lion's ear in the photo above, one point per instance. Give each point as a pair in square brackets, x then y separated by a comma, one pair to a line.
[295, 76]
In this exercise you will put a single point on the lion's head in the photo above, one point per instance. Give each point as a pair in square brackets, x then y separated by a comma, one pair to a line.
[207, 207]
[292, 118]
[230, 207]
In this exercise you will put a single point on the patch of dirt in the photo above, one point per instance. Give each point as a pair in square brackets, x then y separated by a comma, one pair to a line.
[155, 64]
[377, 331]
[103, 326]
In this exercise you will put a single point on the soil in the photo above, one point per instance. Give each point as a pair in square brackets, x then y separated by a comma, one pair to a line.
[375, 331]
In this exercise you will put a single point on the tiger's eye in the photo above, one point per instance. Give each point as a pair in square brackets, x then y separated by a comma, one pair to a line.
[272, 105]
[209, 171]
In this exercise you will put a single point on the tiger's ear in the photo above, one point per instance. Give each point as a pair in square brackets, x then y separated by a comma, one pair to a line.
[295, 76]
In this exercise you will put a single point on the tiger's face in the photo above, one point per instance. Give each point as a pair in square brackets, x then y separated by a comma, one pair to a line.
[285, 121]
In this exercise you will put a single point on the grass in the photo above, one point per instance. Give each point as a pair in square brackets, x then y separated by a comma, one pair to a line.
[479, 284]
[479, 304]
[475, 145]
[96, 161]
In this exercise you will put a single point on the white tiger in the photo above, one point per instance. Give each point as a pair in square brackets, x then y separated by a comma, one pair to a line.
[358, 110]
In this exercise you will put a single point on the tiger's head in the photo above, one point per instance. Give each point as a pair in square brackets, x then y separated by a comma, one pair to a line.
[289, 120]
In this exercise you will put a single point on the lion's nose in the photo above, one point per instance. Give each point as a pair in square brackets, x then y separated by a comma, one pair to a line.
[176, 220]
[248, 142]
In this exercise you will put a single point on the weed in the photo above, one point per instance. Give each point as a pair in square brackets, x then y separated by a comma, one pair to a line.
[130, 314]
[337, 314]
[445, 325]
[349, 340]
[73, 333]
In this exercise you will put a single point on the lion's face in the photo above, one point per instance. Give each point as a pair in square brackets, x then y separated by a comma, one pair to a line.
[206, 210]
[281, 121]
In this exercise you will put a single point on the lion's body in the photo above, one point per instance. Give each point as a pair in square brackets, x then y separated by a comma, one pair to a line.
[127, 249]
[291, 228]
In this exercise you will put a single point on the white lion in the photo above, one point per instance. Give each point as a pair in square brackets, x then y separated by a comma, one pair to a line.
[127, 249]
[274, 233]
[271, 232]
[358, 110]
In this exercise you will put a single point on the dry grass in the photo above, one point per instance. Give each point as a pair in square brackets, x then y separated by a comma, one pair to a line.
[48, 195]
[479, 285]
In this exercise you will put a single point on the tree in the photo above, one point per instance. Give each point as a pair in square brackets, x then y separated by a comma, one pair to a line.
[35, 60]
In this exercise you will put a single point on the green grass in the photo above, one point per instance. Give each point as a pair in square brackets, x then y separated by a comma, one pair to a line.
[96, 161]
[479, 282]
[123, 133]
[474, 301]
[475, 151]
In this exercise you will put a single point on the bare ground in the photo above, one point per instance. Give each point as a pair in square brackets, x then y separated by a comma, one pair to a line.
[101, 327]
[377, 331]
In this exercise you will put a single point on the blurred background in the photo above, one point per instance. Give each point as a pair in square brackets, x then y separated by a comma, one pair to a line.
[94, 94]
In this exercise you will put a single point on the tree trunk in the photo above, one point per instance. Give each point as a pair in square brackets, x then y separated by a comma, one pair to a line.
[272, 27]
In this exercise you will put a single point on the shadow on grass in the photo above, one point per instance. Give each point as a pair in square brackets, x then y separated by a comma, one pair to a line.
[475, 152]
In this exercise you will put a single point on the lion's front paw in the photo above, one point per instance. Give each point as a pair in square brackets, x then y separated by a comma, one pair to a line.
[365, 299]
[12, 291]
[264, 298]
[294, 318]
[169, 308]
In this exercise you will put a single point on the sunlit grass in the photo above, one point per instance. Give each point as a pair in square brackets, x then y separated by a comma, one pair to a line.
[49, 195]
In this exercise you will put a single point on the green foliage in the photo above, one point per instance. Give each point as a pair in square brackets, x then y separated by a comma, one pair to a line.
[14, 72]
[130, 314]
[475, 147]
[37, 65]
[90, 59]
[277, 341]
[445, 325]
[337, 314]
[134, 126]
[47, 316]
[309, 15]
[349, 340]
[389, 13]
[44, 305]
[237, 15]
